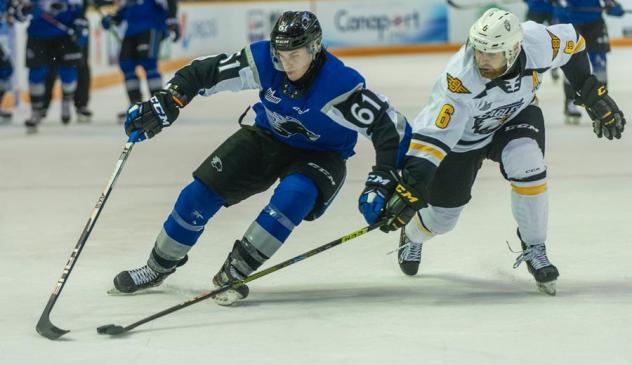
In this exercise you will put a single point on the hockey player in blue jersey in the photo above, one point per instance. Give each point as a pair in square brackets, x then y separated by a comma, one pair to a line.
[146, 24]
[539, 11]
[306, 126]
[586, 17]
[52, 39]
[6, 66]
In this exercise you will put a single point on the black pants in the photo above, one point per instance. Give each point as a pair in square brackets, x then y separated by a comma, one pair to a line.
[251, 160]
[82, 93]
[452, 183]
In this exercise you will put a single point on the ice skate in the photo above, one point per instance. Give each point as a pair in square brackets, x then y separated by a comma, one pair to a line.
[538, 264]
[409, 254]
[5, 116]
[131, 281]
[84, 115]
[226, 275]
[65, 112]
[572, 115]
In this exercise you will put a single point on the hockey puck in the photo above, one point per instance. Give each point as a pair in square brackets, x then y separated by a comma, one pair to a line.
[110, 329]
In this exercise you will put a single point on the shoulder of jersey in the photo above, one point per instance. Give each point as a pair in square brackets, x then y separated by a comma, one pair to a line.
[541, 45]
[460, 78]
[338, 75]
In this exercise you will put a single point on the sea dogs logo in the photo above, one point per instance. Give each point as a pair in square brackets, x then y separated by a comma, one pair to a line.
[495, 118]
[288, 126]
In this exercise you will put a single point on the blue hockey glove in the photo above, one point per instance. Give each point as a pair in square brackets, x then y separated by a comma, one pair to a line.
[613, 8]
[150, 117]
[378, 188]
[109, 20]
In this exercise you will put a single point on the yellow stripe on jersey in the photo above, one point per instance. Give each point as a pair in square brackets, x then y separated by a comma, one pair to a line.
[581, 45]
[424, 148]
[529, 190]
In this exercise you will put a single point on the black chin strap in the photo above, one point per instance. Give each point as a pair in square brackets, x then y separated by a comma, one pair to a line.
[296, 89]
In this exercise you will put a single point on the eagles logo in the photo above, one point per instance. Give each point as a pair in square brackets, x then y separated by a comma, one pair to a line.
[555, 44]
[492, 120]
[456, 86]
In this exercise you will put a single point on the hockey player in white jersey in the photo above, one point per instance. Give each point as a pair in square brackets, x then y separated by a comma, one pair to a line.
[484, 106]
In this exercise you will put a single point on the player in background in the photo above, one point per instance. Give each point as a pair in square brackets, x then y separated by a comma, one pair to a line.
[6, 66]
[484, 106]
[586, 16]
[52, 39]
[540, 11]
[307, 121]
[146, 24]
[82, 93]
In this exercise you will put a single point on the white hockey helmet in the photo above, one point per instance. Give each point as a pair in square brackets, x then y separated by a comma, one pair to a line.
[497, 31]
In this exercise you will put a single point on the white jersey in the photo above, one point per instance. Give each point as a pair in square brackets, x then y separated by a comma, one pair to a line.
[465, 109]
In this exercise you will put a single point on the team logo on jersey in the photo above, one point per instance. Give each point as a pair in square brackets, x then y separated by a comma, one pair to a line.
[271, 97]
[216, 162]
[299, 110]
[495, 118]
[456, 86]
[484, 105]
[288, 126]
[511, 85]
[555, 44]
[570, 47]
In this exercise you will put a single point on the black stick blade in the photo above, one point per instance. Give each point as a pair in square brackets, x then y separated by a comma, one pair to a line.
[111, 329]
[47, 329]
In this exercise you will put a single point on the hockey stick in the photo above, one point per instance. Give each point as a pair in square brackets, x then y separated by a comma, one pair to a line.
[57, 24]
[44, 326]
[113, 329]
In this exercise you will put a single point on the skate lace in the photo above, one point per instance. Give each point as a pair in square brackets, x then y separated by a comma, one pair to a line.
[143, 275]
[534, 255]
[410, 251]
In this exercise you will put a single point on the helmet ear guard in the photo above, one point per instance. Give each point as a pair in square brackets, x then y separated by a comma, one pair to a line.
[497, 31]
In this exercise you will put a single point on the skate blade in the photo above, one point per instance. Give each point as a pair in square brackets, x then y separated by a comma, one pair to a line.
[151, 290]
[31, 130]
[227, 298]
[83, 119]
[549, 288]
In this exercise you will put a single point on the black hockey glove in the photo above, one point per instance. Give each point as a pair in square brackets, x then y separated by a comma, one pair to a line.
[378, 188]
[401, 207]
[150, 117]
[607, 119]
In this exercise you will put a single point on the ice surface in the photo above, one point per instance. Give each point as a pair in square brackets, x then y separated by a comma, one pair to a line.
[350, 305]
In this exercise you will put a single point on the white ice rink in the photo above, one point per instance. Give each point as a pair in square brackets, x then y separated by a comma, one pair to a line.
[349, 305]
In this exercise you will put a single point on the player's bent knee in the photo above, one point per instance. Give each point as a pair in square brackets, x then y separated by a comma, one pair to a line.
[522, 159]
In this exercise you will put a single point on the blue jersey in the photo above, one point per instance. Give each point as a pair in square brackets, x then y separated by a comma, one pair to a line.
[53, 18]
[327, 116]
[540, 6]
[569, 11]
[300, 122]
[143, 15]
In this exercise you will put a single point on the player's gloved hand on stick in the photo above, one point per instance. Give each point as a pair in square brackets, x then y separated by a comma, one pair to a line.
[151, 116]
[401, 207]
[613, 8]
[174, 29]
[109, 20]
[607, 118]
[378, 188]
